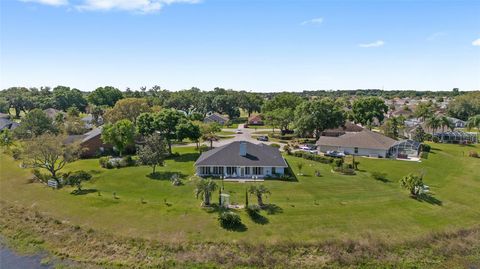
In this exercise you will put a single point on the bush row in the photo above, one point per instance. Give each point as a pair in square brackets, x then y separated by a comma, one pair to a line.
[110, 162]
[313, 157]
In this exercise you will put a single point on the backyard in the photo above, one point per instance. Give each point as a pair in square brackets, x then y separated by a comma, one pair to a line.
[310, 209]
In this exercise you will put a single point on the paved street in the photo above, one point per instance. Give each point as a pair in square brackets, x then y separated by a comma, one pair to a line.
[246, 135]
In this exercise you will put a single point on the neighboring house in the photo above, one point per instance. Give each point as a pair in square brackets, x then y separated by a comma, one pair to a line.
[241, 159]
[255, 120]
[215, 117]
[89, 122]
[7, 124]
[349, 127]
[52, 113]
[458, 123]
[91, 142]
[368, 143]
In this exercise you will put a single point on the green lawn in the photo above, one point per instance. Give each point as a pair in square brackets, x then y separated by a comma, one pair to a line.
[314, 208]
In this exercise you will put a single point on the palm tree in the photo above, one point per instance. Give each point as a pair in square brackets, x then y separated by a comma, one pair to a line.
[205, 188]
[445, 122]
[210, 137]
[259, 191]
[474, 122]
[434, 123]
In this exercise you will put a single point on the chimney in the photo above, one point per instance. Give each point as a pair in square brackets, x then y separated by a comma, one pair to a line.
[243, 148]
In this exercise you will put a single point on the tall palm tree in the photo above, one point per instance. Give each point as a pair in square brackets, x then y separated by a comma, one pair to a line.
[259, 191]
[445, 122]
[434, 123]
[474, 122]
[205, 188]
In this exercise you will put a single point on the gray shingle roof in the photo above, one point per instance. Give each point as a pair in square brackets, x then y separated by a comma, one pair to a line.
[365, 139]
[229, 155]
[216, 117]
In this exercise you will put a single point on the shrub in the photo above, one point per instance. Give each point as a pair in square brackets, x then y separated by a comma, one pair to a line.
[16, 153]
[203, 148]
[103, 161]
[37, 175]
[76, 178]
[473, 154]
[110, 162]
[379, 176]
[425, 148]
[275, 145]
[313, 157]
[435, 139]
[337, 162]
[129, 161]
[287, 149]
[176, 180]
[229, 220]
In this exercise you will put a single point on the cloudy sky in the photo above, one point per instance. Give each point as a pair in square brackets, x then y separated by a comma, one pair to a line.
[260, 45]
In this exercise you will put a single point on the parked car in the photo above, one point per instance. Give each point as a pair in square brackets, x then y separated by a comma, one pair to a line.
[238, 131]
[334, 153]
[262, 138]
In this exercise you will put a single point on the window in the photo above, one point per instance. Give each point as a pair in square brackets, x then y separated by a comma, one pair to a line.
[355, 150]
[274, 171]
[247, 170]
[257, 170]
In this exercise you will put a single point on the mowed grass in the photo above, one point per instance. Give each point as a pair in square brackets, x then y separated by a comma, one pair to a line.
[313, 208]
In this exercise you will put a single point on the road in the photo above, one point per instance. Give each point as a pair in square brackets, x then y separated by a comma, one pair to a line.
[245, 135]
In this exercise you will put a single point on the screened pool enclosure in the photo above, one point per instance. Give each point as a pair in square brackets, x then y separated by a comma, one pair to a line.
[404, 149]
[457, 137]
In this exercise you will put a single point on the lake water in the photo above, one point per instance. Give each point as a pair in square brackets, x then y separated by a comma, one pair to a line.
[11, 260]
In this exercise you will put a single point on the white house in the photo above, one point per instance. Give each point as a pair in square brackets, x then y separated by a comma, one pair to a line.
[368, 143]
[241, 159]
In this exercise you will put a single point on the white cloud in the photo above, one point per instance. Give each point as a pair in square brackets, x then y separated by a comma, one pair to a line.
[375, 44]
[436, 35]
[316, 21]
[49, 2]
[139, 6]
[476, 42]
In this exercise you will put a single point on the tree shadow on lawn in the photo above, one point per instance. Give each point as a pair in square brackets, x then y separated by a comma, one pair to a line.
[272, 209]
[83, 191]
[256, 217]
[238, 228]
[429, 199]
[186, 157]
[165, 175]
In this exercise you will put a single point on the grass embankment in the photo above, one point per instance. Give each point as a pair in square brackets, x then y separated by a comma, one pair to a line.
[309, 210]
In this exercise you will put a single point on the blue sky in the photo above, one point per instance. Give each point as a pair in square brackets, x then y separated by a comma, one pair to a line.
[240, 44]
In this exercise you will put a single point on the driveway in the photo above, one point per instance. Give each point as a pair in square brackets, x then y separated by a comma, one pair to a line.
[245, 135]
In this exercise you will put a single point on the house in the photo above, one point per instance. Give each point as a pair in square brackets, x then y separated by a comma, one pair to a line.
[368, 143]
[241, 159]
[91, 142]
[7, 124]
[458, 123]
[255, 120]
[52, 113]
[349, 127]
[215, 117]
